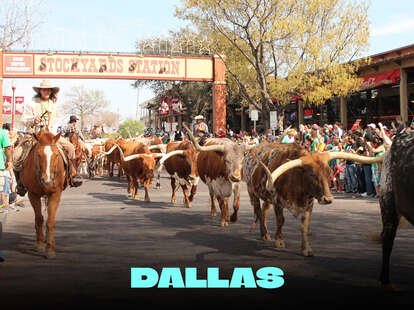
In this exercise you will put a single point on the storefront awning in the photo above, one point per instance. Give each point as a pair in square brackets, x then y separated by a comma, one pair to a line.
[380, 79]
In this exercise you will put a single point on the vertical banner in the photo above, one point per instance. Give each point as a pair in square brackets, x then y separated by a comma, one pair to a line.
[7, 105]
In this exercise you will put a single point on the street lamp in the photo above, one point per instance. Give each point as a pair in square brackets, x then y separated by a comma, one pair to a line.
[13, 104]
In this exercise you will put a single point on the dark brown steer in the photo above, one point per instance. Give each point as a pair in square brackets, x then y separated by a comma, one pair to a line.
[396, 195]
[180, 163]
[297, 179]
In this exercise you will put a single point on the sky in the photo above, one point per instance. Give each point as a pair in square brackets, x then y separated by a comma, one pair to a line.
[114, 26]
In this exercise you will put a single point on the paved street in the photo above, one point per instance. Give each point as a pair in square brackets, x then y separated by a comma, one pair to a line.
[101, 234]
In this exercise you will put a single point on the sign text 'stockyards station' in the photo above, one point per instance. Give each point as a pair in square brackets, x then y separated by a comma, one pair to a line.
[16, 64]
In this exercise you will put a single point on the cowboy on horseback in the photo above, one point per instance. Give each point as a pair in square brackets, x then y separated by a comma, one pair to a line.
[71, 128]
[41, 114]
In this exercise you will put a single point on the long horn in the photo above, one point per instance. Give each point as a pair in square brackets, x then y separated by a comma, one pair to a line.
[110, 151]
[171, 154]
[135, 156]
[161, 147]
[272, 176]
[355, 157]
[216, 148]
[168, 155]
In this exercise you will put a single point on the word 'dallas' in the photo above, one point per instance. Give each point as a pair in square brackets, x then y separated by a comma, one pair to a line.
[266, 277]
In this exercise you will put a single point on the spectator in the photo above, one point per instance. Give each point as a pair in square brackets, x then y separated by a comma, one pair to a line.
[377, 149]
[290, 137]
[351, 169]
[5, 168]
[178, 134]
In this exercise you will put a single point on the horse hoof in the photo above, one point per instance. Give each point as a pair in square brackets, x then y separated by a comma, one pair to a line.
[40, 248]
[51, 255]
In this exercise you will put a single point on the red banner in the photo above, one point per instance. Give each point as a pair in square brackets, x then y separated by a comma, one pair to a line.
[380, 79]
[175, 105]
[7, 105]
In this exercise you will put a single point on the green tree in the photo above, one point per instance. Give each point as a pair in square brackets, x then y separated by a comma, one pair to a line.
[274, 49]
[131, 128]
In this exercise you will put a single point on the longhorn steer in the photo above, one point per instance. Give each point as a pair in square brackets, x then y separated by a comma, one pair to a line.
[138, 163]
[180, 163]
[396, 195]
[113, 158]
[219, 165]
[96, 162]
[297, 179]
[155, 145]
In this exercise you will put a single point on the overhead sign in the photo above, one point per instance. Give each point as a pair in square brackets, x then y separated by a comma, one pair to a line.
[65, 65]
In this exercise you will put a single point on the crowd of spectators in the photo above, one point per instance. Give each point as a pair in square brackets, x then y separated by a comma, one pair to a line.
[373, 139]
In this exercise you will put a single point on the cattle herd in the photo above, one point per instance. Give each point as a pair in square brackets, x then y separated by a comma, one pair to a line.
[282, 175]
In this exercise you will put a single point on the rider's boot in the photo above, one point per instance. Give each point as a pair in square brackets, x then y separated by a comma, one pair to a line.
[75, 179]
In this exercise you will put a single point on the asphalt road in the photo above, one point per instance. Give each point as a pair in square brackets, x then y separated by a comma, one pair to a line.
[101, 234]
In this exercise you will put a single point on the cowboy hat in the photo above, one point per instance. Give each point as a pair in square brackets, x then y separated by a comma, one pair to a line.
[199, 117]
[45, 84]
[73, 118]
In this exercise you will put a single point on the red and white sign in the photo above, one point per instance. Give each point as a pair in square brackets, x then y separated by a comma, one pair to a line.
[380, 79]
[18, 64]
[175, 105]
[164, 106]
[7, 105]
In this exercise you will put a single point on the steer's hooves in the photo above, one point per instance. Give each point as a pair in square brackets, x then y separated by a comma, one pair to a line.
[266, 238]
[307, 252]
[280, 244]
[40, 248]
[224, 224]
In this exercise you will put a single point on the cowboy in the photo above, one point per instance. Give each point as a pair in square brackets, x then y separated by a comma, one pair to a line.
[41, 113]
[96, 132]
[200, 129]
[71, 128]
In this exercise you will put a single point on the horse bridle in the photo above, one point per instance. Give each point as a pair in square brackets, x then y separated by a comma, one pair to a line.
[38, 171]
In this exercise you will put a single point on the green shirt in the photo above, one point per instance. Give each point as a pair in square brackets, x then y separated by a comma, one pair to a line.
[4, 142]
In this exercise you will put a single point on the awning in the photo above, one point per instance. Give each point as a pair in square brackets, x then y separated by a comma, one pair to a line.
[380, 79]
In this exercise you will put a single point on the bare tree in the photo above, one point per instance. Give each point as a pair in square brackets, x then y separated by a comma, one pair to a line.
[18, 20]
[84, 103]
